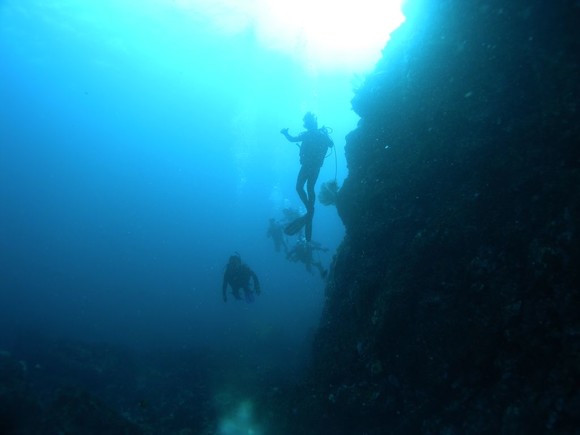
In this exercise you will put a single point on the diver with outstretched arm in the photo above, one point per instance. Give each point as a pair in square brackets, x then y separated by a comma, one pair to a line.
[314, 145]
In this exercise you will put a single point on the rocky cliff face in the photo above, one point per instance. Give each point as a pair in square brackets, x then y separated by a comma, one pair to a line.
[453, 305]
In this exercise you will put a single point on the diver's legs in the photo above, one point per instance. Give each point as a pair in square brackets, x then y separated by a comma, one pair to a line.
[307, 176]
[300, 182]
[248, 294]
[311, 182]
[308, 226]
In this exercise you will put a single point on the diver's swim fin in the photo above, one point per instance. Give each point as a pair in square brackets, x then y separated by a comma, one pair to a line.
[296, 225]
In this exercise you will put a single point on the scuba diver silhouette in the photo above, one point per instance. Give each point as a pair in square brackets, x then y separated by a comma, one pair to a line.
[315, 142]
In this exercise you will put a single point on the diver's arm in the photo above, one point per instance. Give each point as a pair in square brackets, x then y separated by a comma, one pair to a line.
[256, 282]
[288, 136]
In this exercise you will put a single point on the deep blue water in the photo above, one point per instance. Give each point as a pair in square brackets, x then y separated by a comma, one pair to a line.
[134, 160]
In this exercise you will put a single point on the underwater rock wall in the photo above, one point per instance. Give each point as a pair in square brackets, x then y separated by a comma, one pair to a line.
[453, 302]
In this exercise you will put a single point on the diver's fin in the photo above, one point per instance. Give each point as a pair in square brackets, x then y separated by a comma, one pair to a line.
[296, 225]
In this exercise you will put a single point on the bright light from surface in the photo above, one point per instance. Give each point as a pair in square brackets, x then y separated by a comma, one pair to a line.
[324, 35]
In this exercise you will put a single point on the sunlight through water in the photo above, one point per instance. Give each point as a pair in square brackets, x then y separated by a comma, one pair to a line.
[323, 35]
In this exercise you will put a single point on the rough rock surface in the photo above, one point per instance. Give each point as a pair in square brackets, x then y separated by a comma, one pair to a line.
[453, 304]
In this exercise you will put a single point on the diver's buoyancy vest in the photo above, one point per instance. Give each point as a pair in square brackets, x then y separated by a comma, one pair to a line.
[314, 146]
[239, 277]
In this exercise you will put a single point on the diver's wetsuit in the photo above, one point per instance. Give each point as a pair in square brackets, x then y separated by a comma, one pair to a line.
[315, 144]
[303, 252]
[276, 232]
[237, 276]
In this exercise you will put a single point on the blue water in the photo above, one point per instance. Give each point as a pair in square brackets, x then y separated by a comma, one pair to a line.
[136, 155]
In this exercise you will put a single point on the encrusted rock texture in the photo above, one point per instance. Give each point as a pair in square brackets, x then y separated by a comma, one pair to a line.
[453, 303]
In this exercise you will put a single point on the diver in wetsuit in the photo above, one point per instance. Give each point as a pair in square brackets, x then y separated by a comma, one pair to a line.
[276, 233]
[314, 145]
[303, 252]
[237, 275]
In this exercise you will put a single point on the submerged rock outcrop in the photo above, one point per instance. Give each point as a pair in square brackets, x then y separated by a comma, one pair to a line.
[453, 302]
